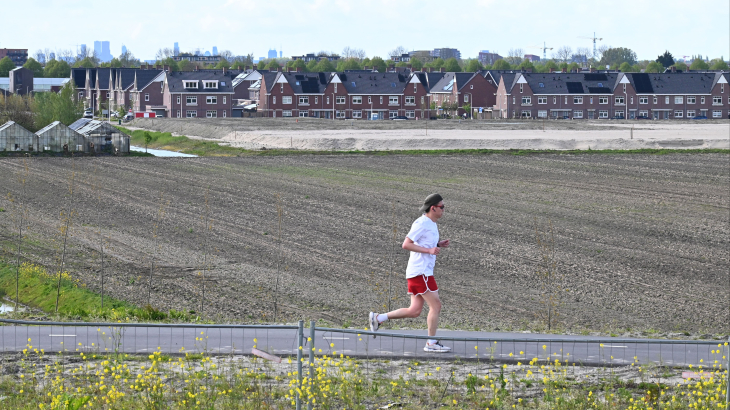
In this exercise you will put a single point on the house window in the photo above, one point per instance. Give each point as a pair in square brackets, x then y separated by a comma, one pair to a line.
[328, 100]
[286, 99]
[521, 88]
[666, 100]
[392, 114]
[81, 95]
[541, 100]
[357, 114]
[722, 88]
[603, 100]
[286, 113]
[224, 113]
[620, 100]
[656, 100]
[179, 114]
[303, 114]
[526, 114]
[210, 84]
[341, 100]
[716, 100]
[691, 99]
[392, 100]
[542, 114]
[211, 114]
[340, 114]
[690, 113]
[526, 100]
[303, 100]
[472, 87]
[147, 97]
[423, 99]
[370, 100]
[316, 100]
[679, 100]
[716, 114]
[381, 99]
[281, 88]
[618, 114]
[190, 84]
[678, 114]
[702, 100]
[224, 100]
[411, 100]
[357, 100]
[624, 87]
[577, 100]
[191, 100]
[644, 114]
[541, 85]
[591, 100]
[514, 100]
[578, 114]
[632, 99]
[178, 99]
[603, 114]
[274, 100]
[107, 96]
[191, 114]
[644, 100]
[211, 99]
[555, 100]
[466, 98]
[411, 114]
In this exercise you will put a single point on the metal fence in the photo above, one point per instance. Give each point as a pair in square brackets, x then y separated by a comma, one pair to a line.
[387, 355]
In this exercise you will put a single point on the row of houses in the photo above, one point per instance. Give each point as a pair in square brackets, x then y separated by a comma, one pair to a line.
[401, 92]
[83, 136]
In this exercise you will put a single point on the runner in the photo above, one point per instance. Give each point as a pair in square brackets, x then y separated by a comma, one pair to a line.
[424, 244]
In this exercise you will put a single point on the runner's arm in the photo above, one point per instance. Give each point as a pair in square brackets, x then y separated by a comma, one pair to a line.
[409, 245]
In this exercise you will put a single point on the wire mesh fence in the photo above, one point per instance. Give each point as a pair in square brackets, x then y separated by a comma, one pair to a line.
[295, 366]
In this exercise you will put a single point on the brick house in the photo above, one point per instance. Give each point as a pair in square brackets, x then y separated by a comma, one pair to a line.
[146, 92]
[206, 94]
[122, 80]
[473, 89]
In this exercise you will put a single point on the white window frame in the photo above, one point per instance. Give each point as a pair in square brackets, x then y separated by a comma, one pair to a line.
[716, 100]
[210, 85]
[179, 113]
[316, 99]
[286, 113]
[678, 99]
[716, 113]
[555, 100]
[303, 100]
[370, 100]
[393, 100]
[357, 99]
[577, 100]
[691, 99]
[273, 100]
[541, 100]
[191, 114]
[211, 114]
[303, 114]
[656, 100]
[702, 100]
[466, 98]
[341, 99]
[603, 114]
[191, 100]
[619, 100]
[526, 114]
[357, 114]
[381, 99]
[691, 114]
[644, 113]
[603, 100]
[224, 99]
[286, 99]
[643, 99]
[211, 99]
[522, 88]
[190, 84]
[526, 100]
[147, 96]
[392, 114]
[666, 100]
[678, 114]
[578, 114]
[340, 114]
[224, 113]
[410, 114]
[411, 100]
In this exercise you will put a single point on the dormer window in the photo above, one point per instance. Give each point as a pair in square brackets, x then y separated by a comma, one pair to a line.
[190, 84]
[210, 84]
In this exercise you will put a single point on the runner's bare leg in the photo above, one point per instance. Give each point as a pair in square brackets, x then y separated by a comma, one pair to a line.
[434, 310]
[410, 312]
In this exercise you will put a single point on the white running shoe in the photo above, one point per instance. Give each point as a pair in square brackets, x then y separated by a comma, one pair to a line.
[436, 348]
[373, 319]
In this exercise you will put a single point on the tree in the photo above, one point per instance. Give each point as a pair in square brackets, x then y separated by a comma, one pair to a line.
[416, 64]
[526, 65]
[680, 66]
[563, 66]
[654, 67]
[85, 63]
[473, 66]
[35, 67]
[357, 53]
[550, 65]
[438, 63]
[40, 56]
[325, 66]
[615, 56]
[57, 69]
[573, 67]
[666, 59]
[515, 56]
[273, 65]
[185, 65]
[501, 65]
[300, 64]
[699, 64]
[312, 65]
[563, 54]
[378, 64]
[18, 108]
[6, 66]
[223, 63]
[128, 59]
[720, 64]
[452, 66]
[625, 67]
[147, 140]
[60, 106]
[397, 52]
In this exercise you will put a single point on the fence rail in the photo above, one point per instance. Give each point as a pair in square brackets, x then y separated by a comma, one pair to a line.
[380, 352]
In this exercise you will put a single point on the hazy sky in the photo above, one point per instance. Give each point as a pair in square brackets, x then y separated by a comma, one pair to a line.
[377, 26]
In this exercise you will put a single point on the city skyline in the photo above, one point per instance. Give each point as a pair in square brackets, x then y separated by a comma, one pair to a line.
[640, 26]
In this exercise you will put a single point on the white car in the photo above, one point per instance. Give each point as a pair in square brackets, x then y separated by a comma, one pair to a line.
[89, 114]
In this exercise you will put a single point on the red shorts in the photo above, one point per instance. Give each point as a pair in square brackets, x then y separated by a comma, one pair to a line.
[422, 284]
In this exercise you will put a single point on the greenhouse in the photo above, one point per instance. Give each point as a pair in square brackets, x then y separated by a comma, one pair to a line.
[101, 136]
[57, 137]
[14, 137]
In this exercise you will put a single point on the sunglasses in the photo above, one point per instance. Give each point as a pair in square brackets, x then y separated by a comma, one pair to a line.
[442, 206]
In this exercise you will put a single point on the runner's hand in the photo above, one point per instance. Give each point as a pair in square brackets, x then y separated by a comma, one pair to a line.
[445, 243]
[434, 251]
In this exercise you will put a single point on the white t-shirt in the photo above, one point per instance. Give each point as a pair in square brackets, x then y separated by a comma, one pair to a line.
[424, 233]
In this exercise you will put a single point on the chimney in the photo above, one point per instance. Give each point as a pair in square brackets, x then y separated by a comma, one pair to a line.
[157, 66]
[552, 70]
[564, 70]
[366, 68]
[166, 68]
[278, 69]
[428, 69]
[224, 71]
[673, 68]
[593, 70]
[255, 67]
[391, 68]
[409, 66]
[442, 70]
[196, 67]
[529, 70]
[246, 68]
[299, 69]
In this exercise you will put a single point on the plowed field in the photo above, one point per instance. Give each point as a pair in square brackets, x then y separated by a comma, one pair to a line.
[641, 242]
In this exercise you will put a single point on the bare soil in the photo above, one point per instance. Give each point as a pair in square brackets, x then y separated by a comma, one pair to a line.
[642, 242]
[347, 135]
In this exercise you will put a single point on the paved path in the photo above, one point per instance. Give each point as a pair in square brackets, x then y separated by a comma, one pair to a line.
[283, 342]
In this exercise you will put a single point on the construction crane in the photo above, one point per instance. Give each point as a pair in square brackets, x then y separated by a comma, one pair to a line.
[594, 39]
[544, 49]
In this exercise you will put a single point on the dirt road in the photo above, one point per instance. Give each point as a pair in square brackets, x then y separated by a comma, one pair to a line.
[641, 241]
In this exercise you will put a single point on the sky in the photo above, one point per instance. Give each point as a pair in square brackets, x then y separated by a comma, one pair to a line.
[649, 27]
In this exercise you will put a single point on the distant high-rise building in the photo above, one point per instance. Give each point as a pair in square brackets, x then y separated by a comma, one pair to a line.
[176, 49]
[487, 58]
[124, 49]
[215, 50]
[207, 53]
[102, 51]
[281, 54]
[446, 53]
[272, 53]
[52, 55]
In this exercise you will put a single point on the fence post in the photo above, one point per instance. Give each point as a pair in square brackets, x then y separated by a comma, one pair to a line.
[300, 333]
[727, 380]
[311, 360]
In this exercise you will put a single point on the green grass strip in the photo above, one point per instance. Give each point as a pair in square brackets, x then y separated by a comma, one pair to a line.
[165, 140]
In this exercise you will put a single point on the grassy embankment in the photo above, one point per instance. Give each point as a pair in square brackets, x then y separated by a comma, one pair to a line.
[38, 288]
[165, 140]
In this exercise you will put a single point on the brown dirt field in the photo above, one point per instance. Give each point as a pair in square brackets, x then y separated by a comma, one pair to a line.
[642, 241]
